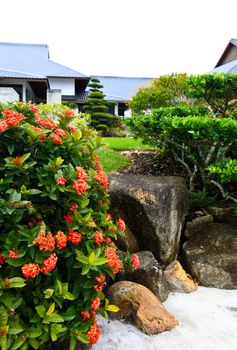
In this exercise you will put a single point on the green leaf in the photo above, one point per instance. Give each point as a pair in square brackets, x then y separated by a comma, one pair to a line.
[85, 269]
[20, 340]
[53, 318]
[92, 258]
[73, 343]
[48, 293]
[59, 161]
[17, 282]
[83, 259]
[41, 310]
[112, 308]
[100, 261]
[3, 343]
[10, 147]
[68, 296]
[81, 337]
[60, 286]
[15, 262]
[50, 309]
[15, 326]
[84, 203]
[34, 343]
[3, 316]
[34, 332]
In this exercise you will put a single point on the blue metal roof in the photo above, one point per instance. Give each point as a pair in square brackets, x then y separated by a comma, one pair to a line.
[121, 88]
[31, 61]
[230, 67]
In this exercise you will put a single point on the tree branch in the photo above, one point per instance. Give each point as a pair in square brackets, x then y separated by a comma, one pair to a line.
[224, 195]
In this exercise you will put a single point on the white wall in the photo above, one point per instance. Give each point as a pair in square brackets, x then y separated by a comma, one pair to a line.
[23, 82]
[66, 85]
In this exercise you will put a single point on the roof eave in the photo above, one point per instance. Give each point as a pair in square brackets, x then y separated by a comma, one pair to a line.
[231, 43]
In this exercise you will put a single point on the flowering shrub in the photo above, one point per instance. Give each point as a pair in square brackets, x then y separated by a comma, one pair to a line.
[55, 241]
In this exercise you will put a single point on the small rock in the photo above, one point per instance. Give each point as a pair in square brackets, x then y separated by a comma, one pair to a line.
[223, 211]
[149, 274]
[178, 279]
[197, 224]
[138, 302]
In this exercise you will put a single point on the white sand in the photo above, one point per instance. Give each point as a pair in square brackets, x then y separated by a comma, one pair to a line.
[207, 321]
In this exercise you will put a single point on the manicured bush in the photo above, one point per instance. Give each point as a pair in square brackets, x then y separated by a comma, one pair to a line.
[195, 141]
[56, 235]
[97, 107]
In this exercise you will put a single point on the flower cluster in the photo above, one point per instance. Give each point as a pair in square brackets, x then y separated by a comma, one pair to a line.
[98, 237]
[11, 118]
[113, 260]
[102, 178]
[30, 270]
[74, 237]
[135, 261]
[121, 224]
[45, 240]
[93, 333]
[61, 181]
[49, 264]
[61, 240]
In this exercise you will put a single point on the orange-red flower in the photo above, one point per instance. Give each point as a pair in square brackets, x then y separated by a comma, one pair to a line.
[81, 174]
[85, 315]
[56, 139]
[73, 207]
[45, 240]
[98, 237]
[2, 259]
[61, 240]
[30, 270]
[49, 264]
[61, 181]
[113, 260]
[68, 113]
[121, 224]
[47, 123]
[102, 178]
[68, 218]
[135, 261]
[93, 333]
[3, 125]
[72, 128]
[61, 132]
[13, 254]
[95, 304]
[80, 186]
[74, 237]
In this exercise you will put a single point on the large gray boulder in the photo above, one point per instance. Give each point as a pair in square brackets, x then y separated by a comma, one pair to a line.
[211, 256]
[154, 209]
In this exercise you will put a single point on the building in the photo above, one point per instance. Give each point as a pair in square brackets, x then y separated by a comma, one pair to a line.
[26, 69]
[228, 60]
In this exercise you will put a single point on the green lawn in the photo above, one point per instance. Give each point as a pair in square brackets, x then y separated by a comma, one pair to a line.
[126, 143]
[111, 160]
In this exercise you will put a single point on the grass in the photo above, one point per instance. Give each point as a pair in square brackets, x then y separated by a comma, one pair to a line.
[126, 144]
[111, 160]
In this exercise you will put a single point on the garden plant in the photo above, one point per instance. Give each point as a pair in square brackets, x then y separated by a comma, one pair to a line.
[56, 240]
[200, 134]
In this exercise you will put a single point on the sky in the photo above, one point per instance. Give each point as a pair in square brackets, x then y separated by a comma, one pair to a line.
[143, 38]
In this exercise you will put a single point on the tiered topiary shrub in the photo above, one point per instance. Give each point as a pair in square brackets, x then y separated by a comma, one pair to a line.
[97, 107]
[55, 240]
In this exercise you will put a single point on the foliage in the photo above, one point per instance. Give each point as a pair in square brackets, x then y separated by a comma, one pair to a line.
[111, 160]
[97, 107]
[126, 143]
[55, 242]
[167, 90]
[199, 200]
[195, 141]
[216, 90]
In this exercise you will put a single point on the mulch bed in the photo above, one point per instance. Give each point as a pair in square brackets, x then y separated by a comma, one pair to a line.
[152, 163]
